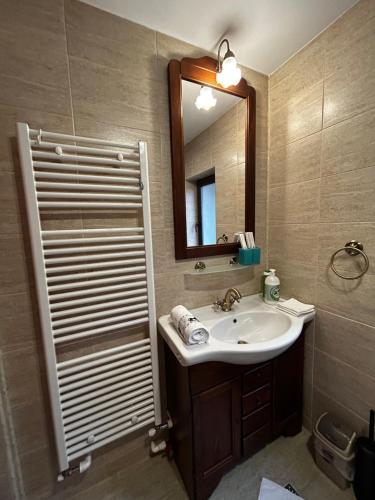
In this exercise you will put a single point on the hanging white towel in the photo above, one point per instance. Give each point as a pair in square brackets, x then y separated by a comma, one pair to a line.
[295, 307]
[190, 329]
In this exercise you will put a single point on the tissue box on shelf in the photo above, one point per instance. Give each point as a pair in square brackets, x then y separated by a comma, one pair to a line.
[249, 256]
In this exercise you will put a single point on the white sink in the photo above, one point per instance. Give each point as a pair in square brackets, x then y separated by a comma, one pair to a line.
[264, 332]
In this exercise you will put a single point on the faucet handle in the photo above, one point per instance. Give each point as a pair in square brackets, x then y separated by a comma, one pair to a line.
[218, 305]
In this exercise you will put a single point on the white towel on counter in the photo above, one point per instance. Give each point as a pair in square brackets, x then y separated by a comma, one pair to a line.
[190, 329]
[295, 307]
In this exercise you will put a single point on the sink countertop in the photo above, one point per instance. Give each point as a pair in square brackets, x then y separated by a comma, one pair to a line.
[215, 350]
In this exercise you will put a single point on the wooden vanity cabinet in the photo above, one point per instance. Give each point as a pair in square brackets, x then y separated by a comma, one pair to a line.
[225, 413]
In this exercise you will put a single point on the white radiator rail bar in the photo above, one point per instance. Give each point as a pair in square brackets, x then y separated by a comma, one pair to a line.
[92, 281]
[82, 149]
[90, 300]
[82, 187]
[85, 168]
[84, 177]
[39, 134]
[84, 159]
[94, 307]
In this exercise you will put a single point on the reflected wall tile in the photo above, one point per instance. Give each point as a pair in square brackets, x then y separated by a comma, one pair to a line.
[297, 162]
[294, 203]
[348, 196]
[350, 342]
[349, 145]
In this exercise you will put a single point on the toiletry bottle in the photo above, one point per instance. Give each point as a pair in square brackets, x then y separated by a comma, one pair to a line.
[272, 288]
[266, 273]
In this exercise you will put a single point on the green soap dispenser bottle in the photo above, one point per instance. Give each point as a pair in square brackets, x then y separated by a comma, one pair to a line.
[272, 288]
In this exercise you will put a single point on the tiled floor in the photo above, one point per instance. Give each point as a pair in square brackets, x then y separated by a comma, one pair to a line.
[286, 460]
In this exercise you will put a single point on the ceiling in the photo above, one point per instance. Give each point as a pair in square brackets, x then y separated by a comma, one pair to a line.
[263, 33]
[196, 120]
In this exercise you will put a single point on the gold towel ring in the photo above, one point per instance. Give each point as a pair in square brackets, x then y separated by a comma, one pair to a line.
[352, 248]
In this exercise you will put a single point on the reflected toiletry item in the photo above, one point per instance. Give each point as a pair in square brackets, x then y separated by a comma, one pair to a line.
[272, 288]
[250, 239]
[190, 329]
[242, 240]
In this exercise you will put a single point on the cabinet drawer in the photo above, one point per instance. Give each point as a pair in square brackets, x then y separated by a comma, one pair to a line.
[256, 420]
[256, 399]
[257, 378]
[256, 441]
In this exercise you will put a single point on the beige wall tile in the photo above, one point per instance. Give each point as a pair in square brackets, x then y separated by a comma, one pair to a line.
[14, 270]
[19, 321]
[113, 96]
[9, 116]
[348, 386]
[36, 96]
[299, 117]
[324, 402]
[354, 299]
[297, 162]
[333, 236]
[348, 197]
[296, 243]
[294, 203]
[297, 74]
[23, 373]
[350, 342]
[349, 145]
[297, 279]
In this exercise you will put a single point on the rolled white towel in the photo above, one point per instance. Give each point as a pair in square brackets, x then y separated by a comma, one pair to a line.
[190, 329]
[295, 307]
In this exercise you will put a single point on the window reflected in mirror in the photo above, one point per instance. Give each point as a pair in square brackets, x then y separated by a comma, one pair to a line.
[214, 125]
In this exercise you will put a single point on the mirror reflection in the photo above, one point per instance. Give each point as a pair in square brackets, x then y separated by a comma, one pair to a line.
[214, 125]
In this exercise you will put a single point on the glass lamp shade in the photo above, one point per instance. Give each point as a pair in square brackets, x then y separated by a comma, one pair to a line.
[205, 100]
[230, 73]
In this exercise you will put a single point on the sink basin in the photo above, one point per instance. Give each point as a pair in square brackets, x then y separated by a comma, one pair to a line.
[252, 332]
[251, 327]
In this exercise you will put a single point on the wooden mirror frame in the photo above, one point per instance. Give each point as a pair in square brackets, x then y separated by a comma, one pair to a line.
[203, 72]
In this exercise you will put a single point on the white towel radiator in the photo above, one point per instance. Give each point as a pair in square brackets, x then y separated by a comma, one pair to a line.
[92, 282]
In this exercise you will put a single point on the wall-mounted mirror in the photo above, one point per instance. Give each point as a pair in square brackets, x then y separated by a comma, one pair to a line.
[213, 159]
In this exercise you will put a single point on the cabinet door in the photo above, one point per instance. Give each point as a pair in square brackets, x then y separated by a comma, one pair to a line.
[217, 434]
[288, 391]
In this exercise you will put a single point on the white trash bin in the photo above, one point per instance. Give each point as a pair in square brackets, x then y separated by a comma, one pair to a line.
[334, 450]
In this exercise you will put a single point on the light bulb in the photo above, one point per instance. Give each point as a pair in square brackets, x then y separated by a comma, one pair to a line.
[230, 73]
[205, 100]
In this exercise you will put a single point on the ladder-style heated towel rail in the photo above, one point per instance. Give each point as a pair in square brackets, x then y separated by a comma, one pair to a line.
[92, 282]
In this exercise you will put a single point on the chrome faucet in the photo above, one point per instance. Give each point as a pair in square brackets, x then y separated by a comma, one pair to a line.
[232, 295]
